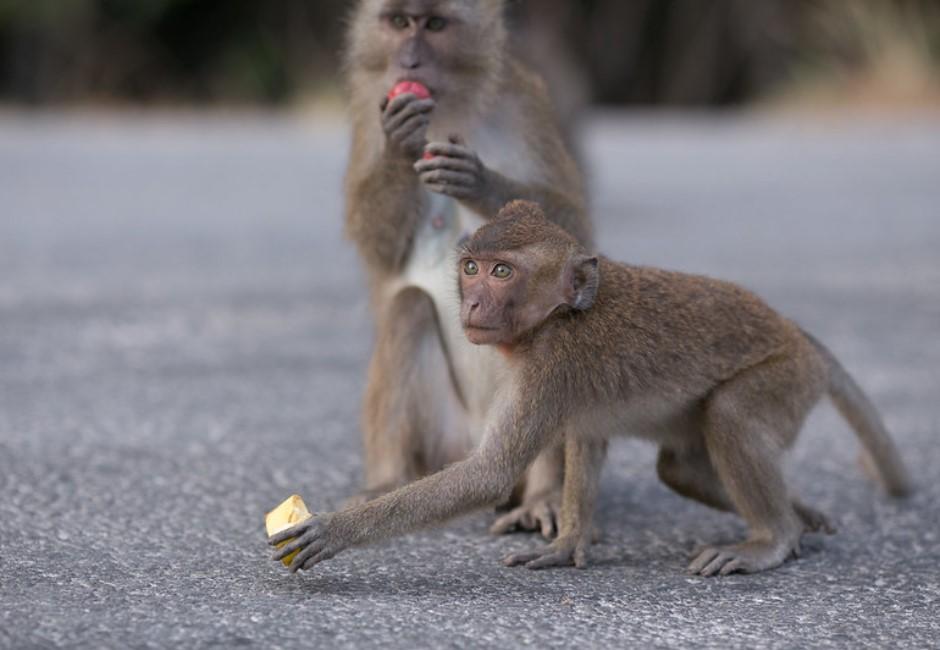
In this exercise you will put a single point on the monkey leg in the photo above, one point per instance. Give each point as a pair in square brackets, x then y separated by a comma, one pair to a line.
[748, 420]
[408, 394]
[691, 474]
[539, 499]
[584, 458]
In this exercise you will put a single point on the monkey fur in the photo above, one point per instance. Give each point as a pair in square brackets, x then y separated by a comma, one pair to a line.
[422, 175]
[705, 369]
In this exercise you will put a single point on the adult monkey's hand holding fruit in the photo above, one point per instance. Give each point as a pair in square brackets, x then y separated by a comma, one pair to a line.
[406, 113]
[450, 168]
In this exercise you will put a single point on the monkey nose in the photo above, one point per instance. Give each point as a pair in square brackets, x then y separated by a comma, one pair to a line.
[410, 61]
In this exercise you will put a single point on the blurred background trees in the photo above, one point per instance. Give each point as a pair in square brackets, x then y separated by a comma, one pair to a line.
[637, 52]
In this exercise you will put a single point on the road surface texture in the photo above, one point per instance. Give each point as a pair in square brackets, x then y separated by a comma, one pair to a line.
[183, 340]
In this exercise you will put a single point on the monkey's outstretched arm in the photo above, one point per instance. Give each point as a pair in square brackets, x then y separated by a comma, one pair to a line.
[456, 170]
[484, 478]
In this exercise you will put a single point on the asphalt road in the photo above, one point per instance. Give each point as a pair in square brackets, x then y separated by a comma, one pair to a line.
[183, 334]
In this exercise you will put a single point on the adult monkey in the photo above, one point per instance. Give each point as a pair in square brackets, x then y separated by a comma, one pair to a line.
[423, 173]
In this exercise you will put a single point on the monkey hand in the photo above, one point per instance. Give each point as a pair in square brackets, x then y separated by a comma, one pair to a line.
[568, 549]
[538, 513]
[405, 123]
[314, 539]
[453, 169]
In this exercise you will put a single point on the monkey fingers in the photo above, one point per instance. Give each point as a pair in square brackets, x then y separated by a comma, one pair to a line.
[748, 557]
[394, 120]
[454, 151]
[412, 124]
[307, 553]
[448, 178]
[540, 516]
[321, 555]
[405, 123]
[299, 541]
[456, 191]
[566, 551]
[308, 539]
[410, 136]
[447, 162]
[404, 104]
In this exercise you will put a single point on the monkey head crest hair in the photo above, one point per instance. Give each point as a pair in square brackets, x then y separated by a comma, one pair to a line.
[519, 224]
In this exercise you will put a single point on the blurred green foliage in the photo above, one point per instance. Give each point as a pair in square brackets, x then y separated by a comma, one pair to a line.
[166, 50]
[693, 52]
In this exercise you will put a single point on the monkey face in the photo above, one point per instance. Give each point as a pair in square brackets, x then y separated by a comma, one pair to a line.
[516, 271]
[504, 297]
[434, 42]
[491, 289]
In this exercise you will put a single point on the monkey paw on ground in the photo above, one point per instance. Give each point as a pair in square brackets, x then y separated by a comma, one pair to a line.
[564, 551]
[537, 514]
[746, 557]
[314, 540]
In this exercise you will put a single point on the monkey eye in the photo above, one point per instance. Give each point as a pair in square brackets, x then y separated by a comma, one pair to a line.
[399, 21]
[435, 24]
[470, 268]
[502, 271]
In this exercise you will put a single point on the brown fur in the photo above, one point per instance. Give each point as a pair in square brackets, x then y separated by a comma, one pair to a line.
[384, 201]
[702, 367]
[414, 386]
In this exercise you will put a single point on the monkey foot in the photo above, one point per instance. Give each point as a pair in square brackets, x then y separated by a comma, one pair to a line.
[561, 552]
[747, 557]
[539, 515]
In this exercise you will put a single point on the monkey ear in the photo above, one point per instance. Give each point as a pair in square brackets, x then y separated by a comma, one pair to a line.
[581, 280]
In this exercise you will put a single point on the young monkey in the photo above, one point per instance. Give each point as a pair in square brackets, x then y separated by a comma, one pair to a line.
[595, 349]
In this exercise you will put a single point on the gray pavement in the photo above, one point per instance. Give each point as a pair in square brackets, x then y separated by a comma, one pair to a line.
[183, 334]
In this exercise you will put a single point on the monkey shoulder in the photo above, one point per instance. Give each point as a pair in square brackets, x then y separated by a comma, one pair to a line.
[517, 75]
[539, 125]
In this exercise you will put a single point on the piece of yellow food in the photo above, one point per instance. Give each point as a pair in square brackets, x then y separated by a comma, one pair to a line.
[291, 512]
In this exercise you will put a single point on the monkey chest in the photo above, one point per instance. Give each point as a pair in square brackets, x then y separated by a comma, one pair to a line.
[432, 267]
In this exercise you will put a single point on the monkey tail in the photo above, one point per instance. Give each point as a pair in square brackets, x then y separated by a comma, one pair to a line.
[854, 405]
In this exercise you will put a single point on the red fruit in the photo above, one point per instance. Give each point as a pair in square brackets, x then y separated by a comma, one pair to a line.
[416, 88]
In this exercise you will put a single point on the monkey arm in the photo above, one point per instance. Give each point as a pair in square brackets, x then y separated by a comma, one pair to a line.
[382, 211]
[484, 478]
[456, 170]
[383, 207]
[383, 201]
